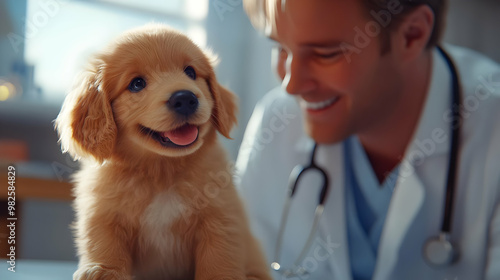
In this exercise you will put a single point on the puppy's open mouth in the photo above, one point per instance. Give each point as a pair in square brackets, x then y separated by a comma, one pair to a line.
[181, 137]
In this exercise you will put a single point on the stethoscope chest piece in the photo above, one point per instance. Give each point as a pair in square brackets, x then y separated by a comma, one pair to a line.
[439, 251]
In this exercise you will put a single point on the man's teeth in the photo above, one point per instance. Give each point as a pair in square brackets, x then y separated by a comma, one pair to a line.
[319, 105]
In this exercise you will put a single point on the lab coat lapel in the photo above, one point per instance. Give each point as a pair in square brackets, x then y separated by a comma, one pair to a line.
[409, 193]
[407, 200]
[333, 223]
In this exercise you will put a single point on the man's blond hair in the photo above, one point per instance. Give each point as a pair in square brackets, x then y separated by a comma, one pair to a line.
[262, 12]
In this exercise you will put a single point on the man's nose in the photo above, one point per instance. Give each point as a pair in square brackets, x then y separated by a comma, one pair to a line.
[297, 78]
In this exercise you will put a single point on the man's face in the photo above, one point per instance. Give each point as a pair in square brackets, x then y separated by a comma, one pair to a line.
[340, 92]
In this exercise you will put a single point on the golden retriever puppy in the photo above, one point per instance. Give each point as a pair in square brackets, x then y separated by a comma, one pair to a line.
[154, 197]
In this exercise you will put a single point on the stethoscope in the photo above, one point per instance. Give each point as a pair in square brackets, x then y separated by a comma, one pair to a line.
[438, 251]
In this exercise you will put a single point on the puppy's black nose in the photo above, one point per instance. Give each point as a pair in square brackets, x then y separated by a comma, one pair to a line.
[183, 102]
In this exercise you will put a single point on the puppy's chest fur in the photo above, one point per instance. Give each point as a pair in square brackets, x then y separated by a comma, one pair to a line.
[163, 240]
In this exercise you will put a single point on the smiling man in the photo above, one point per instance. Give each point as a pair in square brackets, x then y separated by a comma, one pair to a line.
[366, 82]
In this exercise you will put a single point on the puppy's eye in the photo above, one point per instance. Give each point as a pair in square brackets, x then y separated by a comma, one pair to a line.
[190, 72]
[137, 84]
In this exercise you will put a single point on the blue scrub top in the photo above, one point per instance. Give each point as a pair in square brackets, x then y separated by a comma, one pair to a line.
[367, 204]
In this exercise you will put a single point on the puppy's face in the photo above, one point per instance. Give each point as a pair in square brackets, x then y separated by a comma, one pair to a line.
[153, 90]
[163, 98]
[166, 111]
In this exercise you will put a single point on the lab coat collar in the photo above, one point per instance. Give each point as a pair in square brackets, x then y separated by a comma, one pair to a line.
[434, 127]
[409, 193]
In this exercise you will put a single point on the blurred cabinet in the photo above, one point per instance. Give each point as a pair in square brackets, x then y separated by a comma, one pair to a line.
[27, 229]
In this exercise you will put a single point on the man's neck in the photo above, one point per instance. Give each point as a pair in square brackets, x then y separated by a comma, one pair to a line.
[386, 143]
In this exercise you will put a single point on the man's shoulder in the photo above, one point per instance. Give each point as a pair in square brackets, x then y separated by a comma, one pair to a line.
[273, 130]
[471, 60]
[479, 75]
[277, 113]
[480, 83]
[277, 97]
[479, 78]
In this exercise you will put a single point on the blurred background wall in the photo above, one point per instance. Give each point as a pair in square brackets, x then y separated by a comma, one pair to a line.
[44, 43]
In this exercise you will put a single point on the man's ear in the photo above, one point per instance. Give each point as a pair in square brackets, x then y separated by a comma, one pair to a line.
[225, 108]
[85, 124]
[413, 33]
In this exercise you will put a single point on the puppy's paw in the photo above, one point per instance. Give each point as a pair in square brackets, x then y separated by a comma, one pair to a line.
[99, 272]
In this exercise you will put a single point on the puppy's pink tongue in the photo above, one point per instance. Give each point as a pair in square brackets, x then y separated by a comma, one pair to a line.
[183, 135]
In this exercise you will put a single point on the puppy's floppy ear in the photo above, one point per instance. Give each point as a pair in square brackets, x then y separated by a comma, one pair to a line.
[225, 108]
[85, 124]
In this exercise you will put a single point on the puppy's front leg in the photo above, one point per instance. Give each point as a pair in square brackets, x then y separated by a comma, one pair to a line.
[104, 251]
[219, 253]
[256, 266]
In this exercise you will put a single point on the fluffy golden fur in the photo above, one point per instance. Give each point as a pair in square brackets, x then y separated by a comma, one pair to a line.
[145, 210]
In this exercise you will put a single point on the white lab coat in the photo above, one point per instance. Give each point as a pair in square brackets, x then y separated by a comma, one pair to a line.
[275, 142]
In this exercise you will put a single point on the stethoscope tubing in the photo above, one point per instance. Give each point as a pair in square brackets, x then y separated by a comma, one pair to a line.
[294, 179]
[440, 251]
[454, 146]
